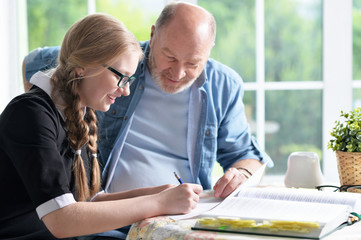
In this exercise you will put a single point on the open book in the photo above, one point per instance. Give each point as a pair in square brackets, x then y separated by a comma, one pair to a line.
[301, 213]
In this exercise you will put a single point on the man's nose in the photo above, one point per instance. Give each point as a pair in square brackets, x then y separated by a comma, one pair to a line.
[178, 72]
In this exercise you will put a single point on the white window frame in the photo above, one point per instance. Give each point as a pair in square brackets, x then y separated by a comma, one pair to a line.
[337, 75]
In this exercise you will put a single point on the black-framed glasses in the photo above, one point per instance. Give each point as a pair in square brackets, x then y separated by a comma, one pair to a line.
[343, 188]
[123, 79]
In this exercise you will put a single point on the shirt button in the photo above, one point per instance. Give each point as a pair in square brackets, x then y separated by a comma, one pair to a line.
[208, 132]
[125, 117]
[141, 87]
[114, 112]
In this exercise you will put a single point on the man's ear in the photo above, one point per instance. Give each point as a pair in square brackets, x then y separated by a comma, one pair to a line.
[151, 34]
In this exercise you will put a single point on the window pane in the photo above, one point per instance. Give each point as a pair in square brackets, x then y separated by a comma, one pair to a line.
[235, 41]
[48, 21]
[249, 100]
[293, 40]
[298, 114]
[137, 15]
[356, 98]
[356, 18]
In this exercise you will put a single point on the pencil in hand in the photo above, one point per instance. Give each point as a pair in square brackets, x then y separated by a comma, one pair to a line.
[178, 178]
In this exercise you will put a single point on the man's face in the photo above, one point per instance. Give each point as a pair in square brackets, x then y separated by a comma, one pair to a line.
[177, 59]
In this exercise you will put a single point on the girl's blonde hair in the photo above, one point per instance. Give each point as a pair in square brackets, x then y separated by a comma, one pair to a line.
[93, 41]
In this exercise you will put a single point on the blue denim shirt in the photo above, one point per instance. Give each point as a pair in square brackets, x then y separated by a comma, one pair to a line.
[221, 134]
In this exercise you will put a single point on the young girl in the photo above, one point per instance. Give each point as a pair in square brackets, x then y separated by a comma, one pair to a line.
[49, 173]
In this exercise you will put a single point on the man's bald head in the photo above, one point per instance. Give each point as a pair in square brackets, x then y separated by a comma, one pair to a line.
[189, 18]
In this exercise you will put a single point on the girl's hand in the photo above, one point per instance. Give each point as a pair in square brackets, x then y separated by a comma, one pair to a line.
[180, 199]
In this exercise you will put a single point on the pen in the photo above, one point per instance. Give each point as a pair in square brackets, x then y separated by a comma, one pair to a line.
[178, 178]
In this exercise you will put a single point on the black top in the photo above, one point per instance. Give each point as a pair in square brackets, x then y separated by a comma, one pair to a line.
[35, 163]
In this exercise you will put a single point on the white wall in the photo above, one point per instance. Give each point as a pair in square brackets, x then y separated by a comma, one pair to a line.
[12, 48]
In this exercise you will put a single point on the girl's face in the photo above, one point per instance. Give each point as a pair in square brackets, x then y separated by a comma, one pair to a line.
[99, 91]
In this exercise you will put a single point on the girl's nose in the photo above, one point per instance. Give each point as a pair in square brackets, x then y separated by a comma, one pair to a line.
[124, 91]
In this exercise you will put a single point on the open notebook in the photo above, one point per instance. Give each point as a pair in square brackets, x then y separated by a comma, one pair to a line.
[208, 201]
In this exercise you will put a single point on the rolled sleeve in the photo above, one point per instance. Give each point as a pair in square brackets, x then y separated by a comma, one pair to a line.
[55, 204]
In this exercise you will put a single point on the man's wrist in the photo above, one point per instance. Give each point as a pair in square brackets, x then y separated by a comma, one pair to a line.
[245, 172]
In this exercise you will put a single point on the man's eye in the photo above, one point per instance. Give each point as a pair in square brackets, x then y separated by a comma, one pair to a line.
[193, 66]
[171, 59]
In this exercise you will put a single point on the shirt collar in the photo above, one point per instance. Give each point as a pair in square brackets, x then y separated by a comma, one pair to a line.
[199, 82]
[42, 81]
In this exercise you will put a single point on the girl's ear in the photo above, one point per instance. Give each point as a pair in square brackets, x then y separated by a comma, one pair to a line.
[80, 71]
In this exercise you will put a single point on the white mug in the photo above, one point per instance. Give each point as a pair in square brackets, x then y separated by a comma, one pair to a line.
[303, 170]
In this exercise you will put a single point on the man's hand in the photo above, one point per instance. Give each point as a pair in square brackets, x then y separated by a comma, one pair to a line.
[234, 177]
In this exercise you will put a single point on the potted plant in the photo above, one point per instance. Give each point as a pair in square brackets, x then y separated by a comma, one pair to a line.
[346, 142]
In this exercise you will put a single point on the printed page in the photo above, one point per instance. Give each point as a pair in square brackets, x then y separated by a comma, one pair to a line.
[304, 195]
